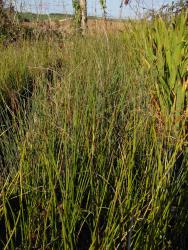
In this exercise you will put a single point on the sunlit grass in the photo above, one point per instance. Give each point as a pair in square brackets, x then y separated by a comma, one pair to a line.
[85, 162]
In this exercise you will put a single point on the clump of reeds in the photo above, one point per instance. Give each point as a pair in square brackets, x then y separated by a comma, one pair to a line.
[85, 166]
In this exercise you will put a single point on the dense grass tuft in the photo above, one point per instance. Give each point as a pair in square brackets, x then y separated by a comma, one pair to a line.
[87, 158]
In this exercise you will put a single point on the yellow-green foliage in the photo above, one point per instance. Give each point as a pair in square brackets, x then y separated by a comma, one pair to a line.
[19, 65]
[166, 48]
[83, 163]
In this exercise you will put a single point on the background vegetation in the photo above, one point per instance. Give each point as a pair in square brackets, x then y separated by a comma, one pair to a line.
[93, 139]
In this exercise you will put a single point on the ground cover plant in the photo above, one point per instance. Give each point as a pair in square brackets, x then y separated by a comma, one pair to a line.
[93, 140]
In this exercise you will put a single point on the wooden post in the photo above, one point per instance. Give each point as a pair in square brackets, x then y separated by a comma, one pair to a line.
[83, 7]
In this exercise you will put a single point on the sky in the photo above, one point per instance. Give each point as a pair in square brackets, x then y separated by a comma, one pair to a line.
[113, 6]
